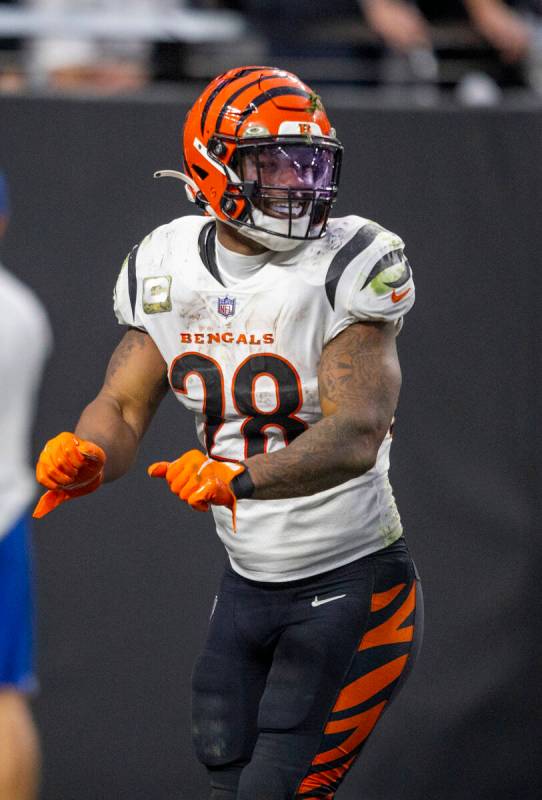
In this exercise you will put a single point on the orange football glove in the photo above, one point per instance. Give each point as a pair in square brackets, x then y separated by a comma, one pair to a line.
[200, 481]
[69, 467]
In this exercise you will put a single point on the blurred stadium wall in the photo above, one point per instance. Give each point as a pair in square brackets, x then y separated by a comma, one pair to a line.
[127, 577]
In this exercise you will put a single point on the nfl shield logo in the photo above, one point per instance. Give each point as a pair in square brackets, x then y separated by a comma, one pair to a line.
[226, 306]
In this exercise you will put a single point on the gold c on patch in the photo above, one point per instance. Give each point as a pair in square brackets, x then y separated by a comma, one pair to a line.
[157, 294]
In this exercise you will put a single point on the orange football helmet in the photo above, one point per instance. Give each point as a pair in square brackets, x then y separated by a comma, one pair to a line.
[260, 153]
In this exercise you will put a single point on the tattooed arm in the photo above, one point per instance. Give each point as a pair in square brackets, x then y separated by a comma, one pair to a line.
[135, 383]
[359, 380]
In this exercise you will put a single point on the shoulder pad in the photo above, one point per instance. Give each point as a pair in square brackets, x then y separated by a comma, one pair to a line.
[362, 251]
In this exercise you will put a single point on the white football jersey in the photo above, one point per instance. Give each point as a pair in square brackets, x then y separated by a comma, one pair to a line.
[245, 360]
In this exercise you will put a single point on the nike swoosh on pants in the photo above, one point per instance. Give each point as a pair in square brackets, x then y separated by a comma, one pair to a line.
[315, 603]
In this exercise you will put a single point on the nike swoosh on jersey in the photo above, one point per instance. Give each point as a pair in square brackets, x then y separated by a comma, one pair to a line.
[315, 603]
[396, 297]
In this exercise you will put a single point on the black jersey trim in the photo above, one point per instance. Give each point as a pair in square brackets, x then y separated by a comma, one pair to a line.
[356, 245]
[390, 260]
[132, 278]
[206, 247]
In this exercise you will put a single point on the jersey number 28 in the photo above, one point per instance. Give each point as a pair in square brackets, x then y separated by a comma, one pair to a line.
[256, 422]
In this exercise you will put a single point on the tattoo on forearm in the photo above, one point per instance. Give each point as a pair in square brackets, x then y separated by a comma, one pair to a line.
[359, 381]
[310, 464]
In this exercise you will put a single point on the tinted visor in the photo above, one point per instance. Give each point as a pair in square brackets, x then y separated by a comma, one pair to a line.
[289, 166]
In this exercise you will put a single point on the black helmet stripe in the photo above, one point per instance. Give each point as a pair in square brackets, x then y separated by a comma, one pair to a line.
[210, 99]
[277, 91]
[208, 103]
[236, 94]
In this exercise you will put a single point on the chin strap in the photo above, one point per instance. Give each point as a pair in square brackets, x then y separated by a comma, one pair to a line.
[192, 190]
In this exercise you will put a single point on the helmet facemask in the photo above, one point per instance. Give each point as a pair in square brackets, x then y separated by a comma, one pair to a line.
[288, 186]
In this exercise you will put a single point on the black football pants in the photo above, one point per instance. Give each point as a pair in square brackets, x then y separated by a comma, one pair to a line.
[294, 676]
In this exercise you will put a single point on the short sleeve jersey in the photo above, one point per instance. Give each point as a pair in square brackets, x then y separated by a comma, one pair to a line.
[245, 360]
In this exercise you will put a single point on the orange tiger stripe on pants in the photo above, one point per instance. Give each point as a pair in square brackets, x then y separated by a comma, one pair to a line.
[367, 691]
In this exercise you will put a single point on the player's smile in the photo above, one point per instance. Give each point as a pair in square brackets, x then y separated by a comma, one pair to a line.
[282, 209]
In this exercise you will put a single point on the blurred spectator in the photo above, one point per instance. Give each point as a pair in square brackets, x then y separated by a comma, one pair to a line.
[102, 66]
[25, 340]
[531, 12]
[418, 38]
[404, 25]
[501, 26]
[399, 24]
[11, 74]
[414, 29]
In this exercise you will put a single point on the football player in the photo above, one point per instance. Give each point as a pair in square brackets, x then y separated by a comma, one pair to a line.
[276, 325]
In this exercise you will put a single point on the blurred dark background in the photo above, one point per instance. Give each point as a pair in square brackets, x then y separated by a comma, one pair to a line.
[471, 50]
[127, 577]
